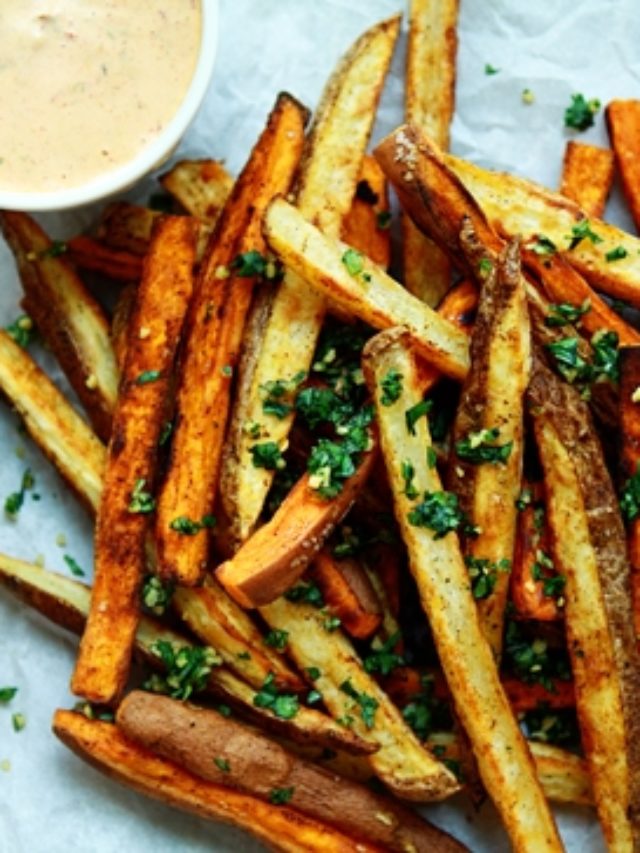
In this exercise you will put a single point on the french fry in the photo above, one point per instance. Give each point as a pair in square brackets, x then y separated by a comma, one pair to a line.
[69, 319]
[104, 747]
[118, 264]
[161, 302]
[429, 97]
[227, 753]
[120, 322]
[284, 330]
[623, 124]
[491, 404]
[598, 615]
[630, 438]
[587, 175]
[348, 593]
[201, 187]
[529, 697]
[277, 554]
[355, 699]
[369, 293]
[127, 227]
[366, 225]
[436, 562]
[212, 342]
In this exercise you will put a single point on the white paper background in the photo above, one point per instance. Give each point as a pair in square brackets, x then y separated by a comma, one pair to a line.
[49, 801]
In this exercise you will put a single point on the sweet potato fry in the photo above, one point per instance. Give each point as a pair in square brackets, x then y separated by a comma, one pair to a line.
[355, 700]
[366, 225]
[108, 750]
[118, 264]
[436, 562]
[623, 124]
[69, 319]
[598, 616]
[212, 342]
[161, 303]
[348, 593]
[367, 292]
[202, 187]
[285, 330]
[429, 98]
[227, 753]
[127, 227]
[528, 697]
[587, 175]
[277, 554]
[630, 438]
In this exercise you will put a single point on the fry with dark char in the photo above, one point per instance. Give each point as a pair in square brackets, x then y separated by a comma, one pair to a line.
[127, 227]
[630, 438]
[201, 187]
[366, 225]
[429, 103]
[90, 254]
[623, 124]
[120, 321]
[161, 302]
[68, 317]
[598, 615]
[108, 750]
[230, 754]
[587, 175]
[438, 567]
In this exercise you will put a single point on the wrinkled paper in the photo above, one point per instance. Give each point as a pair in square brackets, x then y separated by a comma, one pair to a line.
[50, 802]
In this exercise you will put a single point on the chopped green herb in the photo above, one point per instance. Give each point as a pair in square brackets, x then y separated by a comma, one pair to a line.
[489, 70]
[313, 673]
[384, 660]
[279, 393]
[323, 405]
[558, 727]
[568, 361]
[408, 473]
[383, 219]
[485, 267]
[330, 463]
[283, 705]
[7, 694]
[306, 593]
[425, 712]
[188, 527]
[440, 512]
[19, 721]
[582, 231]
[267, 455]
[606, 356]
[579, 114]
[543, 246]
[222, 764]
[277, 639]
[432, 458]
[524, 499]
[479, 447]
[22, 330]
[224, 710]
[484, 574]
[353, 262]
[148, 376]
[141, 501]
[391, 385]
[368, 705]
[413, 415]
[332, 623]
[563, 313]
[249, 264]
[156, 596]
[13, 503]
[616, 254]
[532, 660]
[56, 249]
[314, 696]
[74, 567]
[630, 497]
[281, 796]
[226, 370]
[187, 669]
[165, 433]
[243, 656]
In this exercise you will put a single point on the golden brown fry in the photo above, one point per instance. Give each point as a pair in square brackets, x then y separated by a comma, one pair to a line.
[599, 619]
[120, 323]
[359, 287]
[366, 225]
[587, 175]
[212, 342]
[348, 593]
[278, 553]
[202, 187]
[436, 562]
[69, 319]
[630, 436]
[430, 97]
[90, 254]
[161, 302]
[227, 753]
[285, 329]
[127, 227]
[104, 746]
[623, 124]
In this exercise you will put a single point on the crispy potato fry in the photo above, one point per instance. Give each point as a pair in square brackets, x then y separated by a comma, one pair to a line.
[598, 616]
[227, 753]
[587, 176]
[52, 422]
[623, 124]
[348, 593]
[104, 747]
[436, 562]
[630, 437]
[277, 554]
[212, 342]
[366, 225]
[529, 697]
[429, 97]
[69, 319]
[202, 187]
[284, 330]
[90, 254]
[492, 402]
[127, 227]
[162, 300]
[368, 292]
[355, 699]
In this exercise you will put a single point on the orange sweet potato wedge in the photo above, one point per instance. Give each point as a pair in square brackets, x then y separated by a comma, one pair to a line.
[630, 437]
[587, 175]
[118, 264]
[623, 124]
[366, 225]
[348, 593]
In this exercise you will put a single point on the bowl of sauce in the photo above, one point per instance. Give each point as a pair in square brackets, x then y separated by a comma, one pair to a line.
[95, 93]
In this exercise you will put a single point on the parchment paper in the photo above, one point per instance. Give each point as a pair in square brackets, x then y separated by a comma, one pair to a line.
[49, 801]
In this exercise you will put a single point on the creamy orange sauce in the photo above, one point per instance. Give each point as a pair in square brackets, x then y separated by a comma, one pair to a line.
[86, 84]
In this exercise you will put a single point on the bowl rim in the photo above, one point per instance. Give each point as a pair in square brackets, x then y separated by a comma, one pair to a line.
[118, 180]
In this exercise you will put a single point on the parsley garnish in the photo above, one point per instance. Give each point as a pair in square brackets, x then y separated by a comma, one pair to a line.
[383, 219]
[384, 660]
[425, 713]
[188, 527]
[283, 705]
[630, 497]
[543, 246]
[391, 385]
[440, 512]
[148, 376]
[368, 705]
[281, 796]
[156, 597]
[307, 593]
[188, 669]
[276, 639]
[563, 313]
[74, 568]
[478, 447]
[606, 357]
[18, 721]
[524, 499]
[313, 673]
[413, 415]
[579, 114]
[558, 727]
[222, 764]
[532, 660]
[249, 264]
[7, 694]
[485, 267]
[332, 623]
[141, 501]
[484, 574]
[408, 473]
[165, 433]
[616, 254]
[278, 393]
[56, 249]
[13, 503]
[22, 330]
[582, 231]
[353, 262]
[330, 463]
[432, 458]
[267, 455]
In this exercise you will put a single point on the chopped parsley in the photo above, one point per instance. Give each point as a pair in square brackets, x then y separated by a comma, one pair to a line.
[524, 499]
[490, 70]
[580, 113]
[367, 704]
[479, 447]
[165, 433]
[313, 696]
[276, 639]
[74, 567]
[267, 455]
[568, 361]
[558, 727]
[543, 245]
[391, 385]
[313, 673]
[432, 458]
[187, 669]
[576, 370]
[330, 463]
[384, 660]
[630, 496]
[331, 623]
[563, 313]
[22, 330]
[440, 512]
[18, 721]
[413, 415]
[383, 220]
[188, 527]
[323, 405]
[14, 502]
[156, 596]
[148, 376]
[408, 473]
[532, 660]
[616, 254]
[141, 501]
[222, 764]
[281, 796]
[57, 248]
[283, 705]
[7, 694]
[306, 593]
[582, 231]
[425, 712]
[353, 262]
[484, 574]
[249, 264]
[278, 395]
[485, 267]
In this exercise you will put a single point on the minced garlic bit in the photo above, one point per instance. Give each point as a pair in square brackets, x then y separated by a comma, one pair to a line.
[61, 540]
[25, 322]
[222, 272]
[635, 397]
[144, 333]
[527, 96]
[91, 381]
[39, 561]
[5, 765]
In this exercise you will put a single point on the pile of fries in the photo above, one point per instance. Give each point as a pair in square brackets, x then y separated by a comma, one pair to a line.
[352, 529]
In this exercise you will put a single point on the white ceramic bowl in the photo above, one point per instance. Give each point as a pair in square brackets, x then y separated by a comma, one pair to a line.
[153, 155]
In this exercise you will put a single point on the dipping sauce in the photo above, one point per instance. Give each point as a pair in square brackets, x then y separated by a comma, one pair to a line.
[85, 85]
